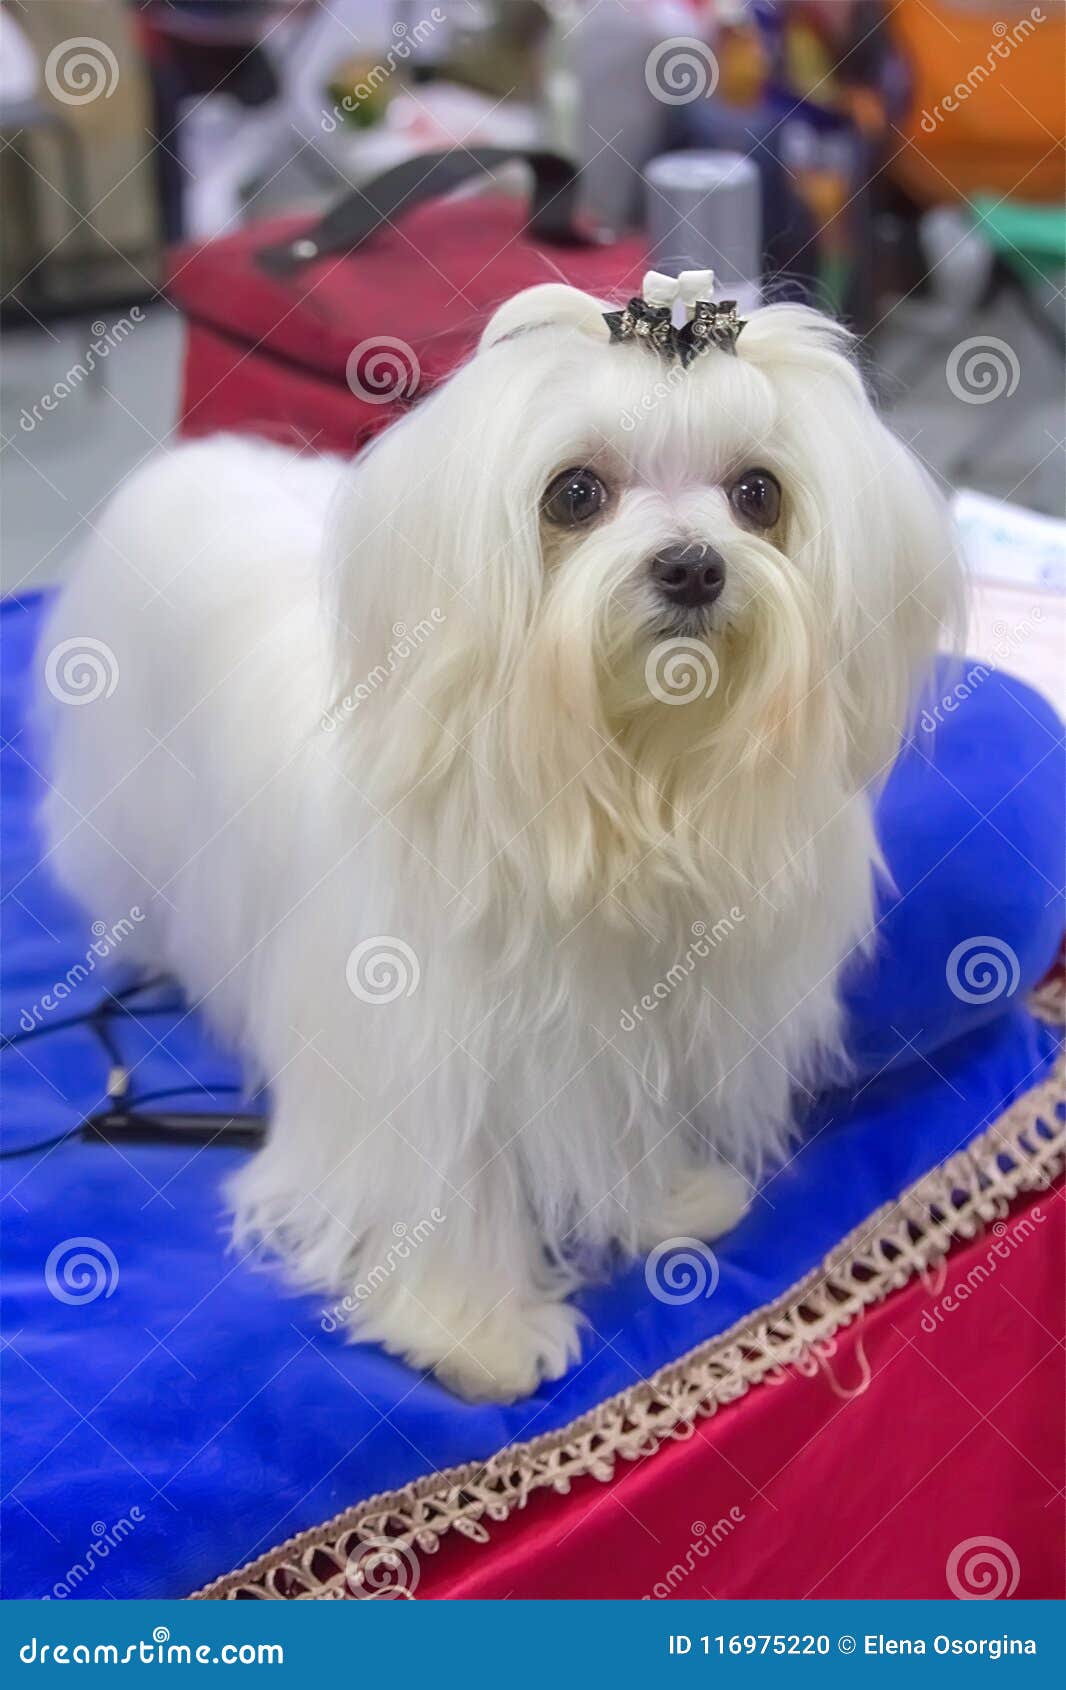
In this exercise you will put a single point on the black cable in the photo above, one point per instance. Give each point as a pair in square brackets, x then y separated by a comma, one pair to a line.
[126, 1122]
[45, 1144]
[180, 1091]
[123, 1119]
[115, 1003]
[118, 1127]
[9, 1040]
[98, 1024]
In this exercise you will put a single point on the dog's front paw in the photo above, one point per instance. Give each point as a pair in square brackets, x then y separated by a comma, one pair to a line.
[509, 1352]
[708, 1202]
[494, 1356]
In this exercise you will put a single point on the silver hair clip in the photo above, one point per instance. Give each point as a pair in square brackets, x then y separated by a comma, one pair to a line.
[651, 318]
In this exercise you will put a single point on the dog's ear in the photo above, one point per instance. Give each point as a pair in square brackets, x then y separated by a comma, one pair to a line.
[874, 533]
[551, 304]
[912, 600]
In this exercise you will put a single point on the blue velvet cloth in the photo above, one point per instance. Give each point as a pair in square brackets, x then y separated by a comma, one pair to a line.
[196, 1400]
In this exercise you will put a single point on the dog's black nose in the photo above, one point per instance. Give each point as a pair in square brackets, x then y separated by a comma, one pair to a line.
[689, 575]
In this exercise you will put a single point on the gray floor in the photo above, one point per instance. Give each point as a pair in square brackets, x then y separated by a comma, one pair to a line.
[1012, 446]
[57, 467]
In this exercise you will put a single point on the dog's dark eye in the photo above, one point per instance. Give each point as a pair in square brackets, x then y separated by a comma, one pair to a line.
[573, 497]
[756, 497]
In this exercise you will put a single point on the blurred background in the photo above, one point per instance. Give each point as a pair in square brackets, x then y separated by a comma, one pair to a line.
[897, 162]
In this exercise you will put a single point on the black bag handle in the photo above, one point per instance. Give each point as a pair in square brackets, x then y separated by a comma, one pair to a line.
[426, 176]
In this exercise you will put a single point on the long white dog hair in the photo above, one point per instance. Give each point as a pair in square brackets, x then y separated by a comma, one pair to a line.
[527, 895]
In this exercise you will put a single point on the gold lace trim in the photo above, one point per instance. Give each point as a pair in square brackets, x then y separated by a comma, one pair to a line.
[1022, 1150]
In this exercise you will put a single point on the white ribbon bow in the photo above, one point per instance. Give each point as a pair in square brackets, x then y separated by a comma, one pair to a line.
[691, 288]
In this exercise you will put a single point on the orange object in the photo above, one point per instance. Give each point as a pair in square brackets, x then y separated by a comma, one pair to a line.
[865, 108]
[987, 110]
[743, 66]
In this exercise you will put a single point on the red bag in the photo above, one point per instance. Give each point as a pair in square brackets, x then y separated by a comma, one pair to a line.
[323, 335]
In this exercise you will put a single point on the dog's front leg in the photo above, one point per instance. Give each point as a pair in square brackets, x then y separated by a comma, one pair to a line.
[703, 1201]
[424, 1239]
[475, 1300]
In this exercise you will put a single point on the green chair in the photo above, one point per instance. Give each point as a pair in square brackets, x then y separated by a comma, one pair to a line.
[1029, 244]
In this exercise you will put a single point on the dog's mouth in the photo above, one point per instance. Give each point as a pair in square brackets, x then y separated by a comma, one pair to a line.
[688, 624]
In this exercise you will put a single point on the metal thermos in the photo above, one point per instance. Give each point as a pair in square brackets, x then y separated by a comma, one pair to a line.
[703, 212]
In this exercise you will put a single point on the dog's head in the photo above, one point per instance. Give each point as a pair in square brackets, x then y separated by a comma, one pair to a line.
[667, 605]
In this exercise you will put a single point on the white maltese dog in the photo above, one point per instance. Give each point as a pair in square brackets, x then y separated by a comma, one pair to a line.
[505, 796]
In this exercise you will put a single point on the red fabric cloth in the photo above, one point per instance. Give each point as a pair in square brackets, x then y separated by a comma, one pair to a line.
[958, 1436]
[270, 354]
[229, 386]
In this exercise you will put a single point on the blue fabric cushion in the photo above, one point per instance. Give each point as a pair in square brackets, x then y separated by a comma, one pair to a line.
[216, 1415]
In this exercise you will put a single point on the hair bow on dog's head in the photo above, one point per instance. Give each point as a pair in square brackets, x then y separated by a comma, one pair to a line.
[651, 317]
